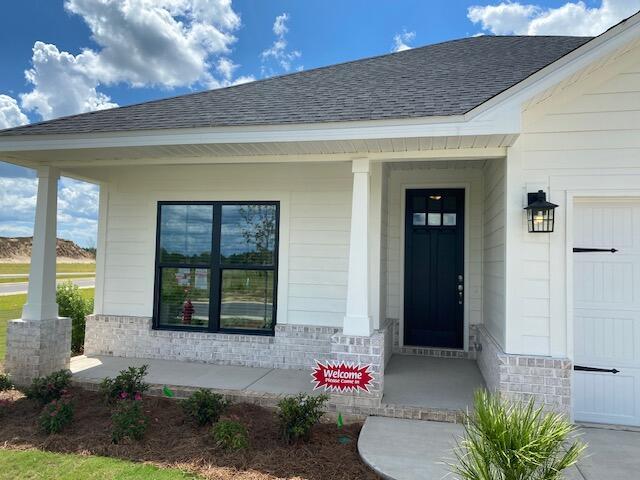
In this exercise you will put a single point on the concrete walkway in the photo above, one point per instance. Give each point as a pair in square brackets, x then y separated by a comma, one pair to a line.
[196, 375]
[409, 450]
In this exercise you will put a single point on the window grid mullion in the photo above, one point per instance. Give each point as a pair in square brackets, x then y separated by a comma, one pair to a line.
[216, 271]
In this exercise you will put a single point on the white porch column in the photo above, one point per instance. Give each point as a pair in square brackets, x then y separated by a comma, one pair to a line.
[41, 297]
[40, 342]
[357, 320]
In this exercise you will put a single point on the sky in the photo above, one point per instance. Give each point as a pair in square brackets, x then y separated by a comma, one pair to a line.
[63, 57]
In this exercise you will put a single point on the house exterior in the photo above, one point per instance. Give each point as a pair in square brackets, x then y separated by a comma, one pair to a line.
[366, 209]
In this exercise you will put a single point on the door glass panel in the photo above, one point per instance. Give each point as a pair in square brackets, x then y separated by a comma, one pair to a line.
[185, 233]
[434, 219]
[248, 234]
[419, 219]
[247, 299]
[184, 297]
[449, 219]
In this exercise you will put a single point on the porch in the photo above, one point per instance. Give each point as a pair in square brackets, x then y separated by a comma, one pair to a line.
[425, 388]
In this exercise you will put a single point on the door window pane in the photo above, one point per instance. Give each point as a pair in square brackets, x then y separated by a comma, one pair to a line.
[434, 219]
[247, 299]
[184, 297]
[248, 234]
[449, 219]
[185, 233]
[419, 219]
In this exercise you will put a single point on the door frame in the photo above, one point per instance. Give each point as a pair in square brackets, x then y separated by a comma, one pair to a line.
[466, 186]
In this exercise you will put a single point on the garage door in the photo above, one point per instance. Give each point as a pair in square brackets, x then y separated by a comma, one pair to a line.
[607, 311]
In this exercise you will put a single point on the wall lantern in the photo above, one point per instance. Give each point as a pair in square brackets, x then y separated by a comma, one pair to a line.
[539, 213]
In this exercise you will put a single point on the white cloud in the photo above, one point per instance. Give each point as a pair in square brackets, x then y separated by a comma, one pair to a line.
[402, 40]
[279, 52]
[10, 113]
[166, 43]
[572, 18]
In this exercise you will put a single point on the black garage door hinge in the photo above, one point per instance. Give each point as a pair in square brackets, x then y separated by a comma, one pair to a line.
[594, 369]
[586, 250]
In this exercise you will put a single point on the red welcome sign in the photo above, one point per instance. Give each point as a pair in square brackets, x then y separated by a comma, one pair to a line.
[342, 377]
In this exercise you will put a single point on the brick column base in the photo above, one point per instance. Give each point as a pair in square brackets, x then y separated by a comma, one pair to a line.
[36, 348]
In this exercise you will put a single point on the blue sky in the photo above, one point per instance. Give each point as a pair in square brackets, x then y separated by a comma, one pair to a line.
[64, 57]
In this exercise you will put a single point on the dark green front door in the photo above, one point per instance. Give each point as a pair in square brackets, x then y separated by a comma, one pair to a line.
[434, 268]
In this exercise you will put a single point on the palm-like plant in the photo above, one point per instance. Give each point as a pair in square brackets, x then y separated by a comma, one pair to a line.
[514, 441]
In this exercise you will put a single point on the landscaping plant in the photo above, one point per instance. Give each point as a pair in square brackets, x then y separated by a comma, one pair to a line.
[204, 406]
[299, 414]
[230, 435]
[56, 415]
[72, 304]
[514, 441]
[51, 387]
[127, 385]
[5, 382]
[128, 421]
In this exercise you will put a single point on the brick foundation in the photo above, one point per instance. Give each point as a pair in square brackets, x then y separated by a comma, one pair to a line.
[36, 348]
[521, 377]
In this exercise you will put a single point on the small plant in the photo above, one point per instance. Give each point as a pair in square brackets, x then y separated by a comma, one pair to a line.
[5, 382]
[299, 414]
[51, 387]
[514, 441]
[127, 385]
[129, 421]
[230, 435]
[56, 415]
[72, 304]
[204, 407]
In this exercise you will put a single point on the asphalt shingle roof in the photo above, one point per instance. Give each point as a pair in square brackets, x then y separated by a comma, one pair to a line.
[444, 79]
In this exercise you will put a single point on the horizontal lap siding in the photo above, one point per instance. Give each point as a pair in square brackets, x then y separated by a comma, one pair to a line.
[583, 138]
[316, 200]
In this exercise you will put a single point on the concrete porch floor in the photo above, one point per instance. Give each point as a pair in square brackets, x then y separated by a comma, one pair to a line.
[434, 382]
[414, 450]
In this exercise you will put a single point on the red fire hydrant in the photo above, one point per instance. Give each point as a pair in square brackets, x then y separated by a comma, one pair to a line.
[187, 312]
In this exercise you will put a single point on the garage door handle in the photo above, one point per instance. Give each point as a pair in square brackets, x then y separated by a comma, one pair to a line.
[594, 369]
[587, 250]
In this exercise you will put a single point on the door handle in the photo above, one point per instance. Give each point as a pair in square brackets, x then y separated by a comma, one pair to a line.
[460, 290]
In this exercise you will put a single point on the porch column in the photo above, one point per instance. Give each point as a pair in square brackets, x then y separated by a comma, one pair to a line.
[357, 320]
[40, 342]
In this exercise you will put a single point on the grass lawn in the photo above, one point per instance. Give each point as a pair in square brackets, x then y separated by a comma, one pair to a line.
[34, 464]
[61, 268]
[11, 308]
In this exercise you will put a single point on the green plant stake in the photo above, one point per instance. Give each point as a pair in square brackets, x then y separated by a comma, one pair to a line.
[342, 439]
[167, 391]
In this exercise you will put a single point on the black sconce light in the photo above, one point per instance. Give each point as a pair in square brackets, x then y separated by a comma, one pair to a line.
[539, 213]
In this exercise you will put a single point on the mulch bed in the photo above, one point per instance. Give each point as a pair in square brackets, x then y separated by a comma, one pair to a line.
[174, 441]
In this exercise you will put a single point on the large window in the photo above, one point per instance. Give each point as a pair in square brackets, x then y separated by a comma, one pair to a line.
[216, 266]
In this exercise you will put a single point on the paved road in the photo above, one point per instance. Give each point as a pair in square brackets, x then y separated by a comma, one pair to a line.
[17, 288]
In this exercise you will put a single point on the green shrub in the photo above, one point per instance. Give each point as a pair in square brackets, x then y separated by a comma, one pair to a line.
[299, 414]
[72, 304]
[56, 415]
[514, 441]
[51, 387]
[127, 385]
[128, 421]
[5, 382]
[204, 406]
[230, 435]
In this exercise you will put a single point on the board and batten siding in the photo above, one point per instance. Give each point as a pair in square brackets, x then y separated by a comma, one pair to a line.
[582, 140]
[494, 248]
[434, 174]
[315, 216]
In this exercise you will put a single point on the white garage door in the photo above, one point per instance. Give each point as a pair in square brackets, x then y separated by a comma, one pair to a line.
[607, 312]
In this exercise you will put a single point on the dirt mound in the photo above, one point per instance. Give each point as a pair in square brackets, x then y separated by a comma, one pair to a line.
[18, 250]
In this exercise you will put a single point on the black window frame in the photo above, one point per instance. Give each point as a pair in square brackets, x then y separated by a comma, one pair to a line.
[215, 267]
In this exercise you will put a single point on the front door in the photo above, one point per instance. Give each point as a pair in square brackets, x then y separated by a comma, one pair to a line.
[434, 268]
[606, 312]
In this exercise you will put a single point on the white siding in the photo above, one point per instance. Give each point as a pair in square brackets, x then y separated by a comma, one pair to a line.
[454, 174]
[494, 250]
[314, 231]
[584, 140]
